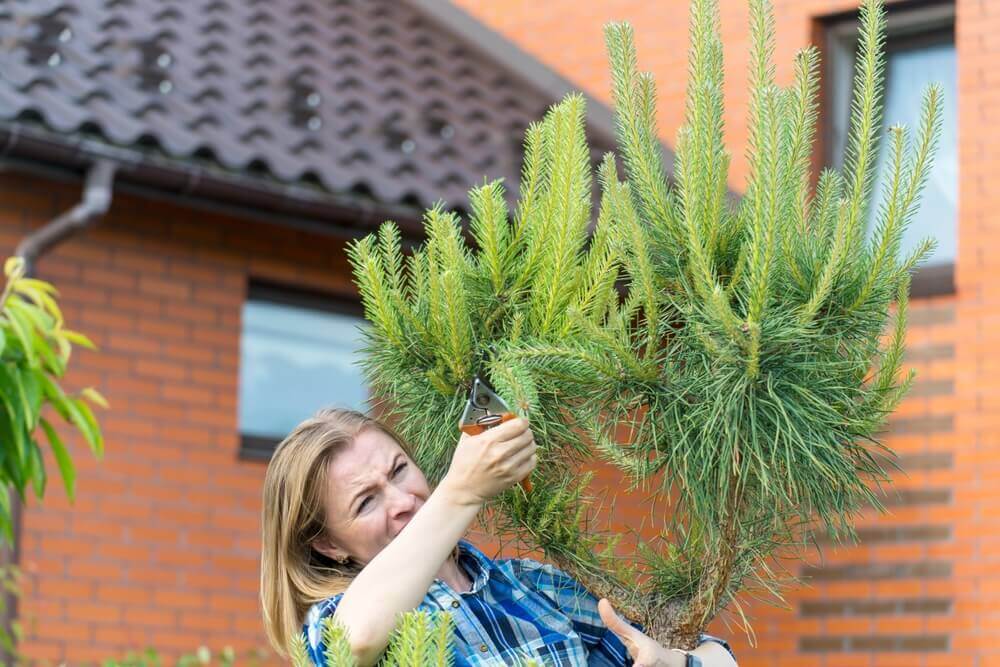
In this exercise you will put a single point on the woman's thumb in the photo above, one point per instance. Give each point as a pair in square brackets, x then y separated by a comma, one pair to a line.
[614, 622]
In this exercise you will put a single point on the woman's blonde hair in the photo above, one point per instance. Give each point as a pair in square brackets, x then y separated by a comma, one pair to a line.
[293, 575]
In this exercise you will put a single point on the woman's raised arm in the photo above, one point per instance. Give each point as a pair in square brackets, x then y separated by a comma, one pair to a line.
[398, 577]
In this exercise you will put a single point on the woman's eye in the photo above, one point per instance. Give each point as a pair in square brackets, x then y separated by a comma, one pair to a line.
[399, 469]
[364, 504]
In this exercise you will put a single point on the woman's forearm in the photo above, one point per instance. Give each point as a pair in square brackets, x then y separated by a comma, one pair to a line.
[396, 580]
[713, 654]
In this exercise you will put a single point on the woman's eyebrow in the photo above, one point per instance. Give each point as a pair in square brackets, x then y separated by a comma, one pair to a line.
[368, 487]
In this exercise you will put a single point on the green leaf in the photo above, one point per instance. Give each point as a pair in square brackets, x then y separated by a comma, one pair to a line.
[41, 327]
[14, 391]
[55, 395]
[76, 412]
[12, 464]
[83, 418]
[28, 288]
[63, 459]
[39, 319]
[94, 397]
[39, 285]
[15, 427]
[52, 361]
[13, 268]
[6, 524]
[36, 468]
[77, 339]
[28, 380]
[23, 331]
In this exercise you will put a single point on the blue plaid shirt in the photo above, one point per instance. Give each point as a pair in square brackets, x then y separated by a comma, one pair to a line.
[517, 608]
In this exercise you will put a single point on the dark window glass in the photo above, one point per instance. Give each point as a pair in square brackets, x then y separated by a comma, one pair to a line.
[298, 353]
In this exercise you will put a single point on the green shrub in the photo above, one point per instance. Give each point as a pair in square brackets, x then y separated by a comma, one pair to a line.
[35, 350]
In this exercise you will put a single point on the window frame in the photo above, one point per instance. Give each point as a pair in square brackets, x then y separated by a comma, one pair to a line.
[261, 448]
[908, 24]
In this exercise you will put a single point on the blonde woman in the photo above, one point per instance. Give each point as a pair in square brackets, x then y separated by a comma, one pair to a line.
[352, 530]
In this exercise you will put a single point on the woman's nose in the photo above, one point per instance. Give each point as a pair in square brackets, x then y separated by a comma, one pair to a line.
[400, 501]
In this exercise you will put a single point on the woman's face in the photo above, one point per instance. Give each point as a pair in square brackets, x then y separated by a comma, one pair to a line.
[374, 490]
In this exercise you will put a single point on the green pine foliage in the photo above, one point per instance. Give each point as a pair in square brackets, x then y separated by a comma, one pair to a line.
[740, 344]
[419, 640]
[338, 651]
[535, 281]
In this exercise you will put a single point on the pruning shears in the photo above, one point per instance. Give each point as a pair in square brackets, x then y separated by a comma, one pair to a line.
[483, 411]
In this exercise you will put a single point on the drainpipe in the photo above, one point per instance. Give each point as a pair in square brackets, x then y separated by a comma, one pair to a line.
[95, 202]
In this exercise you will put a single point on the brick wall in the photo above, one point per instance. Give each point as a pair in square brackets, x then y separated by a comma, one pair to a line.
[161, 547]
[923, 587]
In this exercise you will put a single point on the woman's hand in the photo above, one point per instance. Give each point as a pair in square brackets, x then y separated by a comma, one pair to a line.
[484, 465]
[645, 651]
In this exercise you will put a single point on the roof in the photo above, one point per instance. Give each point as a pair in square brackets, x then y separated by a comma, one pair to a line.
[391, 100]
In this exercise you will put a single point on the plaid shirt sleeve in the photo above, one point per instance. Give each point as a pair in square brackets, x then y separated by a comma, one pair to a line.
[604, 648]
[313, 629]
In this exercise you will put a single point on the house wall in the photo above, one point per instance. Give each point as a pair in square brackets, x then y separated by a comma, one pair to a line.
[923, 587]
[161, 547]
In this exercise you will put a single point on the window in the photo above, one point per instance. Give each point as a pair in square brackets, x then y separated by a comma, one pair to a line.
[920, 49]
[298, 352]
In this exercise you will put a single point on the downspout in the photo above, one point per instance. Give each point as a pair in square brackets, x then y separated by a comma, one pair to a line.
[94, 203]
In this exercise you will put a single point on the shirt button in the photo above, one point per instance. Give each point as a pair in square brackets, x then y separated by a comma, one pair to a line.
[455, 604]
[484, 648]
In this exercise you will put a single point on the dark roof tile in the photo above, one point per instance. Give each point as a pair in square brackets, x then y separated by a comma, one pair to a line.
[363, 96]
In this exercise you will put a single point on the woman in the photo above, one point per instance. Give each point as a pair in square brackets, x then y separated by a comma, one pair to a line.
[352, 530]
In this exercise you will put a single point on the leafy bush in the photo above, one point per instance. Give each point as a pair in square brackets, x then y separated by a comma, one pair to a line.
[35, 349]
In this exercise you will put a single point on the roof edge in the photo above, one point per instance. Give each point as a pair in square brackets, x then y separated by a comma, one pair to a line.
[205, 186]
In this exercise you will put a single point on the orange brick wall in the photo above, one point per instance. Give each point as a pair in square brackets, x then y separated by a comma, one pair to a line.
[939, 543]
[161, 547]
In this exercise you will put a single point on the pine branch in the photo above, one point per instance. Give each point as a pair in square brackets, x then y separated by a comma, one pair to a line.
[866, 117]
[336, 644]
[635, 128]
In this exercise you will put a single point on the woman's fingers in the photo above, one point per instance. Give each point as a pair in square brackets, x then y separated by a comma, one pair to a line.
[524, 462]
[521, 435]
[508, 449]
[508, 429]
[518, 447]
[645, 651]
[618, 626]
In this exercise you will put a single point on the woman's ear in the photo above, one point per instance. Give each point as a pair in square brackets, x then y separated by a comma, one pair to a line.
[324, 546]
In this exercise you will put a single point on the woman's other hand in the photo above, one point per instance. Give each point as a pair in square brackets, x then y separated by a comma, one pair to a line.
[484, 465]
[645, 651]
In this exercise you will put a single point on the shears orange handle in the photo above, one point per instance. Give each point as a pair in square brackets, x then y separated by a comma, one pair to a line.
[485, 410]
[476, 429]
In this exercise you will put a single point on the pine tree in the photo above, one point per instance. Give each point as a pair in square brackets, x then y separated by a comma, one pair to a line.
[739, 344]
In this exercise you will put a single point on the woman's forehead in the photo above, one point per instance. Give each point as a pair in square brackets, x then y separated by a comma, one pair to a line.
[371, 452]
